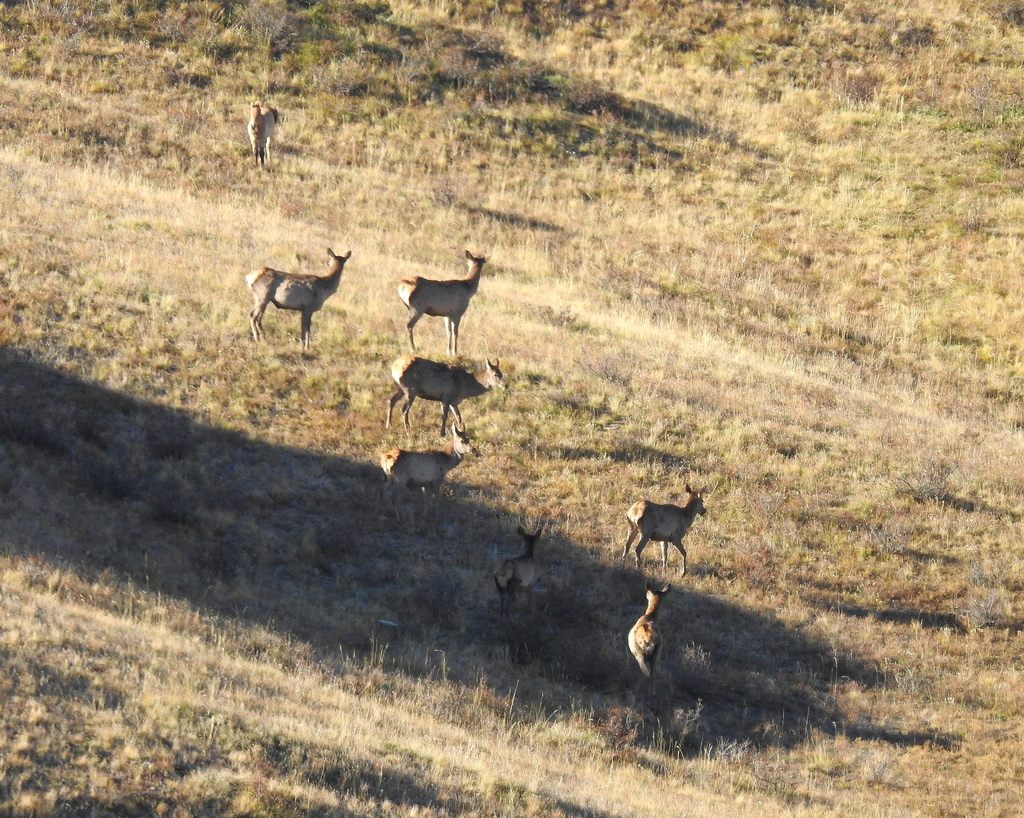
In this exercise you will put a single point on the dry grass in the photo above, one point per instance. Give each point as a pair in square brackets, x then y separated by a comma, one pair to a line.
[769, 250]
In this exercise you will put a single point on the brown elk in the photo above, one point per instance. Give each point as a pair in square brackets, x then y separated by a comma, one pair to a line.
[663, 523]
[449, 385]
[262, 121]
[425, 470]
[518, 573]
[644, 639]
[292, 291]
[447, 299]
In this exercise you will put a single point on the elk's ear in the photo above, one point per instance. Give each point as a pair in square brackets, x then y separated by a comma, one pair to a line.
[665, 590]
[520, 531]
[469, 255]
[688, 489]
[348, 254]
[330, 252]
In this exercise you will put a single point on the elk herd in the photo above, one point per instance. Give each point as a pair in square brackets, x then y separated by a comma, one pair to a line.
[449, 385]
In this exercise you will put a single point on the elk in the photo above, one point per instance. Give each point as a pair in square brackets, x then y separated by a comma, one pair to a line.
[292, 291]
[517, 573]
[644, 639]
[262, 121]
[449, 385]
[447, 299]
[425, 470]
[663, 523]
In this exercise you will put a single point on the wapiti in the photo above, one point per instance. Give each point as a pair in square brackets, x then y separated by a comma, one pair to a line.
[449, 385]
[644, 639]
[448, 299]
[262, 121]
[518, 573]
[292, 291]
[663, 523]
[425, 470]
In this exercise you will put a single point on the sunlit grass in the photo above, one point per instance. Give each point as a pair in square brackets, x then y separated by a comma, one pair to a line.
[715, 257]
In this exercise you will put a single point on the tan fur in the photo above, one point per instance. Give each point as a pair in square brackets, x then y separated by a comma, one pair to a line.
[518, 573]
[448, 385]
[291, 291]
[448, 299]
[663, 523]
[644, 640]
[425, 470]
[262, 122]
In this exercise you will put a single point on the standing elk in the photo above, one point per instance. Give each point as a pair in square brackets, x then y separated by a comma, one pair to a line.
[518, 573]
[262, 121]
[663, 523]
[449, 385]
[425, 470]
[644, 639]
[292, 291]
[448, 299]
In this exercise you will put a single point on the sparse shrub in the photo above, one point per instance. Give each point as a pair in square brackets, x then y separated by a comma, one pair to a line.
[623, 729]
[930, 482]
[911, 34]
[888, 538]
[437, 601]
[855, 84]
[1010, 12]
[985, 603]
[28, 429]
[272, 24]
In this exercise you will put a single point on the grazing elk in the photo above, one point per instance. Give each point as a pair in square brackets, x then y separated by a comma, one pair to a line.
[449, 385]
[292, 291]
[448, 299]
[663, 523]
[518, 573]
[644, 639]
[262, 121]
[425, 470]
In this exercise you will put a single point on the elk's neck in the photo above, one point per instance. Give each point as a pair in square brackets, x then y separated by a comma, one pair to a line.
[480, 377]
[333, 278]
[473, 279]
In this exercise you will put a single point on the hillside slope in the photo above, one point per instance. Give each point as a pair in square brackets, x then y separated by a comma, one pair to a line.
[765, 250]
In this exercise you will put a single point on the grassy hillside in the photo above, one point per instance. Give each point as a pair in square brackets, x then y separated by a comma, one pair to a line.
[765, 249]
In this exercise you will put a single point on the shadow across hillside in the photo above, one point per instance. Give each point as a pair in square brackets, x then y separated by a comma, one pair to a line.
[729, 676]
[295, 540]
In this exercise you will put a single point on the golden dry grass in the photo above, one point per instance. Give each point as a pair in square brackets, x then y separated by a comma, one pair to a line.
[771, 250]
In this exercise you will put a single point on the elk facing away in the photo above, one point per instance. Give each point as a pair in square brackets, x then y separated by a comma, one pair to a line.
[449, 385]
[448, 299]
[519, 573]
[425, 470]
[644, 639]
[663, 523]
[262, 121]
[292, 291]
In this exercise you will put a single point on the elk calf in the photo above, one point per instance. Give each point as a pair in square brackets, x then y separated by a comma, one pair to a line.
[663, 523]
[644, 639]
[448, 299]
[291, 291]
[425, 470]
[449, 385]
[262, 121]
[515, 574]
